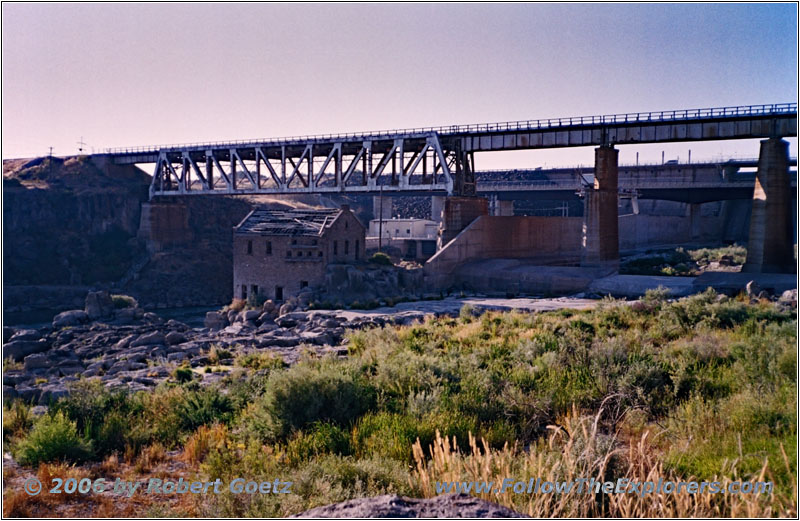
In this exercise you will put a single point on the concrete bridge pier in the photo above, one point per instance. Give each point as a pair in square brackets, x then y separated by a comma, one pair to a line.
[457, 214]
[770, 246]
[381, 207]
[437, 206]
[695, 215]
[164, 224]
[600, 241]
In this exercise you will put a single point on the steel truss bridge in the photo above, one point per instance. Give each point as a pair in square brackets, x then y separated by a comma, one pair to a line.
[437, 159]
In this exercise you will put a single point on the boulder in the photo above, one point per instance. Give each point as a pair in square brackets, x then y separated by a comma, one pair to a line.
[789, 296]
[28, 394]
[19, 349]
[9, 392]
[286, 308]
[26, 334]
[36, 361]
[268, 307]
[125, 315]
[149, 339]
[70, 318]
[266, 327]
[176, 357]
[99, 305]
[175, 337]
[8, 332]
[317, 337]
[215, 320]
[753, 289]
[291, 319]
[14, 378]
[250, 315]
[152, 318]
[51, 393]
[124, 343]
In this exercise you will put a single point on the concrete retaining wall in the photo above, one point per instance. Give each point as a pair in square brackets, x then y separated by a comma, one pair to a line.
[549, 240]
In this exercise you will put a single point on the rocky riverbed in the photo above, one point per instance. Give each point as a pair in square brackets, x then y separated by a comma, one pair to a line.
[134, 349]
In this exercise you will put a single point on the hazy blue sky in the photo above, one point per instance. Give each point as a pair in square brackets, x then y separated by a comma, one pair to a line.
[155, 74]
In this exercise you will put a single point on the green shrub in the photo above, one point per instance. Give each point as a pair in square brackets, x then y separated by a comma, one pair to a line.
[183, 374]
[258, 361]
[381, 259]
[17, 419]
[307, 393]
[321, 438]
[123, 301]
[53, 438]
[204, 407]
[104, 417]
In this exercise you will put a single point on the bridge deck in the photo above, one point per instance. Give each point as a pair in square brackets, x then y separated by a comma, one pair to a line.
[427, 159]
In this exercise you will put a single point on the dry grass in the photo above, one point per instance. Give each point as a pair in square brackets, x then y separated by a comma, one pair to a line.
[203, 441]
[150, 457]
[577, 449]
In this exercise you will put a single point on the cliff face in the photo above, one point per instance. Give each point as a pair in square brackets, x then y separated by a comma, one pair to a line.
[79, 223]
[69, 222]
[191, 252]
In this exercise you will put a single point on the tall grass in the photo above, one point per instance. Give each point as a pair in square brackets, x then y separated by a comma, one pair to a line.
[577, 449]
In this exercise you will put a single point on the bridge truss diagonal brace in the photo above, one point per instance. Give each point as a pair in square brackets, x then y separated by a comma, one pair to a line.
[335, 155]
[235, 157]
[164, 166]
[190, 165]
[279, 182]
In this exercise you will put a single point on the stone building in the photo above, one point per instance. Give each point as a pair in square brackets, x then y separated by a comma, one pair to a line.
[278, 253]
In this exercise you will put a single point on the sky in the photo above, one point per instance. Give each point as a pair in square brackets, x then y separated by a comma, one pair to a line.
[117, 75]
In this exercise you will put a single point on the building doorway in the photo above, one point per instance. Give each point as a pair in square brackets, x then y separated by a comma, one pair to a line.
[278, 293]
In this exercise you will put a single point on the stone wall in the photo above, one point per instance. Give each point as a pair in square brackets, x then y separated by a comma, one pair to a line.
[294, 260]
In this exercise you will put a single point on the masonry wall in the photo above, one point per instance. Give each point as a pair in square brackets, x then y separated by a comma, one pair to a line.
[294, 260]
[285, 267]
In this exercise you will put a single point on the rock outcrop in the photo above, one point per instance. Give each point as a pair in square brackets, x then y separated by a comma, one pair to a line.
[447, 506]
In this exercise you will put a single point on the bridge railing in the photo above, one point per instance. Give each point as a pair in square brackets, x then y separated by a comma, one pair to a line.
[508, 126]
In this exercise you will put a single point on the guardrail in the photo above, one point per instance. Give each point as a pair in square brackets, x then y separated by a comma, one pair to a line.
[536, 124]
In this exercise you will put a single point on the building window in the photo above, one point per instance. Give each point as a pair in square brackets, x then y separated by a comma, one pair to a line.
[278, 292]
[336, 247]
[357, 249]
[294, 242]
[244, 291]
[303, 284]
[254, 290]
[249, 247]
[313, 242]
[408, 231]
[346, 247]
[319, 253]
[308, 254]
[345, 225]
[269, 247]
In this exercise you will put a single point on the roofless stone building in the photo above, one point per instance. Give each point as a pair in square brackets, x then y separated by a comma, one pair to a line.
[278, 253]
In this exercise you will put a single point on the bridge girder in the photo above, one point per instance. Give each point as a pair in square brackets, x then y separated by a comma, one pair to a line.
[449, 150]
[409, 163]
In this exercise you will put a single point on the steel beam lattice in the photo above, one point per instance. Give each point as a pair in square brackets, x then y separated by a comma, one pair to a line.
[435, 158]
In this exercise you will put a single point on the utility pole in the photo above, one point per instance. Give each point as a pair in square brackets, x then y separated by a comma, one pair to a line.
[380, 221]
[81, 145]
[50, 162]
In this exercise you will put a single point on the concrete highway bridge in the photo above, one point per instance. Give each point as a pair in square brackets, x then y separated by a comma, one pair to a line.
[441, 159]
[681, 182]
